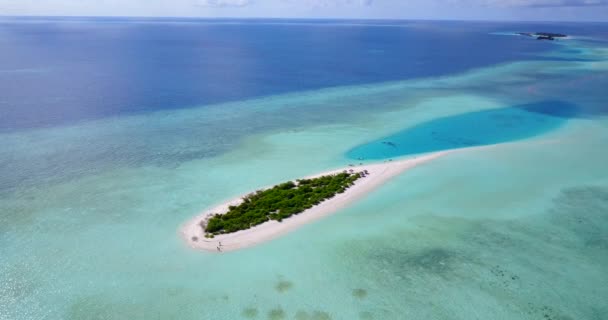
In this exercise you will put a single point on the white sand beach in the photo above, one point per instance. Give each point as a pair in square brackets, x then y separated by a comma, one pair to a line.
[379, 173]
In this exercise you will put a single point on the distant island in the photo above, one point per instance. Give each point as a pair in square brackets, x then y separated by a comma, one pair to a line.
[543, 35]
[279, 202]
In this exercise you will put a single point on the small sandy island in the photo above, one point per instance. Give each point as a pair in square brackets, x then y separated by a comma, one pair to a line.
[378, 174]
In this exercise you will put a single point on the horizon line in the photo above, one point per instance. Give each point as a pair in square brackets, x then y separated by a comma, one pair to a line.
[285, 18]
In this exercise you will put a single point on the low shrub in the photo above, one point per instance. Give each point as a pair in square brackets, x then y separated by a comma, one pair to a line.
[280, 202]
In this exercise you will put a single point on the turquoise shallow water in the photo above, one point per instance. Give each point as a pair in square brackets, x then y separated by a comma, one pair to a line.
[513, 231]
[470, 129]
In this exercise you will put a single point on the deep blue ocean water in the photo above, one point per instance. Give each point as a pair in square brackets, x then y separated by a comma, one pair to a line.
[57, 71]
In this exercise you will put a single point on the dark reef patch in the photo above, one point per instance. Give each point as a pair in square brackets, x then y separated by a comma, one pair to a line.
[276, 314]
[546, 313]
[583, 212]
[359, 293]
[503, 278]
[283, 286]
[433, 261]
[250, 312]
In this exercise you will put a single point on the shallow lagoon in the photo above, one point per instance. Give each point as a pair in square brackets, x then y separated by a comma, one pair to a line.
[470, 129]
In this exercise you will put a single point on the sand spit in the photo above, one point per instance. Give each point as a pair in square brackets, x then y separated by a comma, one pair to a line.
[379, 173]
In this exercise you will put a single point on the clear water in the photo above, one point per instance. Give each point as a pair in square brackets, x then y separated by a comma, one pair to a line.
[89, 211]
[470, 129]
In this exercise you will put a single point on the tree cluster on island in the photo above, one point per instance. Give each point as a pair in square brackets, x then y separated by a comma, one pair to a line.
[543, 35]
[279, 202]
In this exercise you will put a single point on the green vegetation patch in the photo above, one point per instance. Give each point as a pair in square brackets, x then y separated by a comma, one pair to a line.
[280, 202]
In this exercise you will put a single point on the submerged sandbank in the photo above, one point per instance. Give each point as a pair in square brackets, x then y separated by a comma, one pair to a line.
[379, 173]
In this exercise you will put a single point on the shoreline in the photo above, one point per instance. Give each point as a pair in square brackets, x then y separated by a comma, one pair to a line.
[379, 173]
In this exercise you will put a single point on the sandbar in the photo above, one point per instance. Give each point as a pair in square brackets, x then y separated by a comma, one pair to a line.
[378, 174]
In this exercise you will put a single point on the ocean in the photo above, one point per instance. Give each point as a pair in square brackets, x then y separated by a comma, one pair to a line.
[114, 132]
